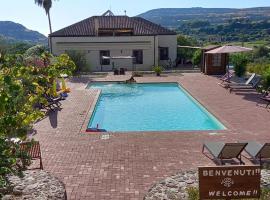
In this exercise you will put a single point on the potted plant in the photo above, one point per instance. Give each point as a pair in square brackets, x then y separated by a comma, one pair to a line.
[158, 70]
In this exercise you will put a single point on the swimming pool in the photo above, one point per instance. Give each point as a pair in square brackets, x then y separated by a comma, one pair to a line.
[149, 107]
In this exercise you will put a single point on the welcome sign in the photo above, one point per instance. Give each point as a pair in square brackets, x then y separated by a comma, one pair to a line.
[230, 182]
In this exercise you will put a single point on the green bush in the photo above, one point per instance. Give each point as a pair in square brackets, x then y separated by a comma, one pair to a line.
[79, 59]
[197, 57]
[266, 78]
[158, 70]
[37, 50]
[262, 69]
[258, 68]
[21, 88]
[193, 193]
[239, 62]
[261, 51]
[186, 53]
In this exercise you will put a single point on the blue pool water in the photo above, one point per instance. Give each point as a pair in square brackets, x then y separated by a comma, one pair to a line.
[149, 107]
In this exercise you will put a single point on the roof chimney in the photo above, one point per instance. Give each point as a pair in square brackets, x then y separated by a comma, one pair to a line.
[96, 26]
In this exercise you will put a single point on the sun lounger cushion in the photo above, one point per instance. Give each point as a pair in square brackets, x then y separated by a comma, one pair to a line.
[214, 147]
[225, 150]
[257, 150]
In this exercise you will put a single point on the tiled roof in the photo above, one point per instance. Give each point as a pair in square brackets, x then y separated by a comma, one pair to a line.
[140, 26]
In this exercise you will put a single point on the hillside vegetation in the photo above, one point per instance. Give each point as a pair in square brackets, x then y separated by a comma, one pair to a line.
[11, 32]
[215, 24]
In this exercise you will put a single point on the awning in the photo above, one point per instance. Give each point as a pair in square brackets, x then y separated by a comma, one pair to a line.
[189, 47]
[117, 57]
[229, 49]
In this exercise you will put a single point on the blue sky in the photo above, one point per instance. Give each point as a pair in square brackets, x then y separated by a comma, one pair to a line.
[66, 12]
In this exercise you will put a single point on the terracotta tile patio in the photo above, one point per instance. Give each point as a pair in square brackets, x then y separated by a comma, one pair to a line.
[125, 166]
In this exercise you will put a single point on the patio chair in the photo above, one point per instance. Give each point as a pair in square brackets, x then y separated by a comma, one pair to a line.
[122, 71]
[32, 150]
[226, 77]
[115, 72]
[257, 151]
[222, 152]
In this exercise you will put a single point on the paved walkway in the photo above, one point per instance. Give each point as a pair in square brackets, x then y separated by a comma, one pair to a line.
[125, 166]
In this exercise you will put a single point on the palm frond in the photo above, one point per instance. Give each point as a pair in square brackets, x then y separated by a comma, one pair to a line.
[46, 4]
[39, 2]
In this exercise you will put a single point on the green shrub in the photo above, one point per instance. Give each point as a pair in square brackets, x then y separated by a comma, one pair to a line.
[262, 69]
[79, 59]
[197, 57]
[265, 194]
[266, 78]
[193, 193]
[261, 51]
[21, 88]
[239, 62]
[258, 68]
[37, 50]
[158, 70]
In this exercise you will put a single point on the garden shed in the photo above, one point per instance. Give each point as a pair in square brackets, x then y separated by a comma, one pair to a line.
[213, 64]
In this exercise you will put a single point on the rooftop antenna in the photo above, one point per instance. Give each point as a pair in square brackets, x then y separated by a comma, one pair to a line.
[108, 13]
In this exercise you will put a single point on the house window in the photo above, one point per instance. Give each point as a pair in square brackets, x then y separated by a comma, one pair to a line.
[163, 53]
[104, 61]
[216, 60]
[138, 54]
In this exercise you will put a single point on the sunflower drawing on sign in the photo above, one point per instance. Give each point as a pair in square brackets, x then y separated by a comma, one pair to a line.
[227, 182]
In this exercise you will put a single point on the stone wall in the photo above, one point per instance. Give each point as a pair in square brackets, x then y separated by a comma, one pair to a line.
[36, 184]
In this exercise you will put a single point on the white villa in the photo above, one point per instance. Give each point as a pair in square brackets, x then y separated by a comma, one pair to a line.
[124, 41]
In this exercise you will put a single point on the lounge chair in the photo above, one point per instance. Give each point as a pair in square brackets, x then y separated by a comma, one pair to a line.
[266, 97]
[248, 82]
[253, 84]
[257, 151]
[224, 151]
[32, 149]
[53, 100]
[48, 107]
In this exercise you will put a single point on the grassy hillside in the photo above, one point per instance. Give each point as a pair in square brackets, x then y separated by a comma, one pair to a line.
[174, 17]
[215, 24]
[13, 32]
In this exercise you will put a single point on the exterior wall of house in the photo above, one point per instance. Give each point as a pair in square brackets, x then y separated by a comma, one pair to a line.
[118, 46]
[169, 41]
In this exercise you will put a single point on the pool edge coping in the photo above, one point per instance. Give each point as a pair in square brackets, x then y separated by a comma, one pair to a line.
[90, 111]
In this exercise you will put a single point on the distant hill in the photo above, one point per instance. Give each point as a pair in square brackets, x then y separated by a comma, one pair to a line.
[174, 17]
[13, 32]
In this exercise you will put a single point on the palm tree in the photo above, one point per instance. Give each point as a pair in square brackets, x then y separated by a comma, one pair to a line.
[46, 4]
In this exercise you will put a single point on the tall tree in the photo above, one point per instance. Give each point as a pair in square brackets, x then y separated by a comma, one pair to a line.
[46, 4]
